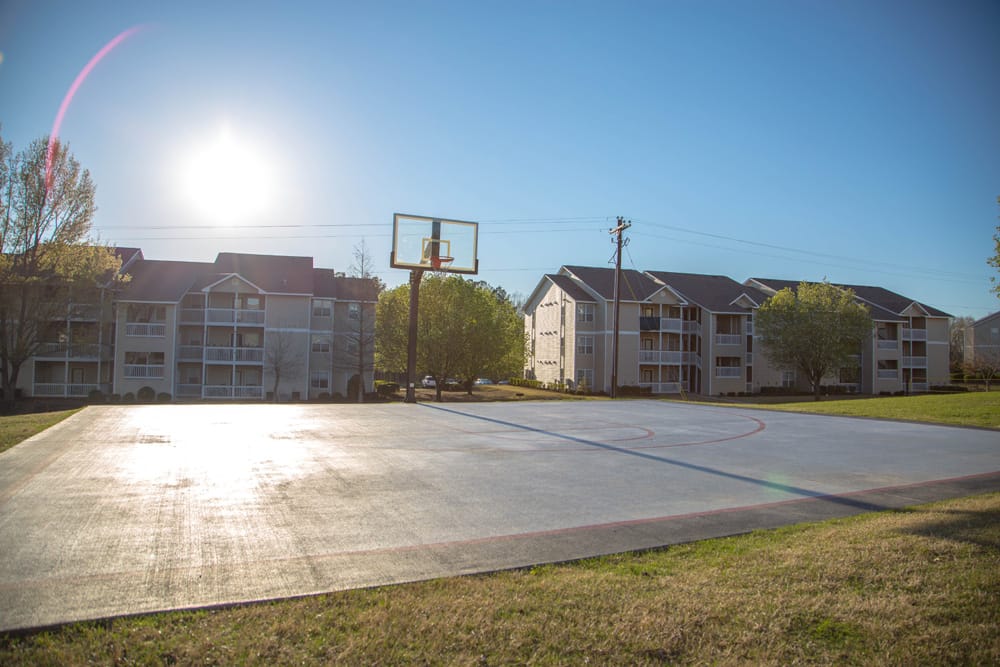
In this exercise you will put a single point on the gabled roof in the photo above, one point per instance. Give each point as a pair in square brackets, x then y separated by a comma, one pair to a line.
[984, 320]
[884, 304]
[272, 273]
[635, 286]
[161, 280]
[573, 291]
[716, 293]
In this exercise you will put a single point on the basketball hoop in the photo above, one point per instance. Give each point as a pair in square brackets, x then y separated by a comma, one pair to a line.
[437, 263]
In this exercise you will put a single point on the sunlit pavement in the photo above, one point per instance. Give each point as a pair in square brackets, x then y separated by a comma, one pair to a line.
[121, 510]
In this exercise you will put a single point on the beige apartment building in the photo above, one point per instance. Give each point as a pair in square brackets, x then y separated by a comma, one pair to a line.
[694, 333]
[982, 340]
[247, 327]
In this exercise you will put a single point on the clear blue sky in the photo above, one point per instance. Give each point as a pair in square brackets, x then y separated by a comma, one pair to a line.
[853, 140]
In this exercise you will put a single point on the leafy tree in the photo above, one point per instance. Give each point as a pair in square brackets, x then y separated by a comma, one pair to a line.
[465, 330]
[985, 364]
[47, 261]
[814, 329]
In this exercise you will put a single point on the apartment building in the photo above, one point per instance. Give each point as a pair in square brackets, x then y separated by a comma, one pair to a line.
[908, 348]
[982, 340]
[251, 327]
[694, 333]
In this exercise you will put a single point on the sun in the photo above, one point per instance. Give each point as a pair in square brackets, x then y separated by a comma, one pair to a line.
[227, 179]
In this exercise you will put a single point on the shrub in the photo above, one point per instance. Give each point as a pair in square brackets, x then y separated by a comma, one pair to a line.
[337, 397]
[115, 398]
[163, 397]
[129, 397]
[324, 396]
[96, 396]
[146, 395]
[386, 389]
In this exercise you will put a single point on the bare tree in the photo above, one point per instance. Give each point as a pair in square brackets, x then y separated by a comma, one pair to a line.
[355, 353]
[282, 357]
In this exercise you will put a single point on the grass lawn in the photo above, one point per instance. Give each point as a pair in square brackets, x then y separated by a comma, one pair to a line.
[978, 408]
[917, 586]
[15, 428]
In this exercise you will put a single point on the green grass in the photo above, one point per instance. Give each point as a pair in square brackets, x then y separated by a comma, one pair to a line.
[965, 409]
[15, 428]
[917, 586]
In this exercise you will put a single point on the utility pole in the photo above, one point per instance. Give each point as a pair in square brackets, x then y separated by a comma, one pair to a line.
[617, 231]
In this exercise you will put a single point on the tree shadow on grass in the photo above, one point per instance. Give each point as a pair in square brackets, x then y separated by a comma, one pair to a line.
[977, 527]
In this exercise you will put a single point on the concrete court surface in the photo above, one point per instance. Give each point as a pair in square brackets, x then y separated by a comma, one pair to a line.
[122, 510]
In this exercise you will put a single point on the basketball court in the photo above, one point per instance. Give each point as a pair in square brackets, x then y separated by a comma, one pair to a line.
[130, 509]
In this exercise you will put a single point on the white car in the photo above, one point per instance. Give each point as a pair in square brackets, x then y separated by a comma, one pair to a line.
[428, 382]
[484, 381]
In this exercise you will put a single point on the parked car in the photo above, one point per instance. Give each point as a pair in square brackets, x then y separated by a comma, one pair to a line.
[428, 382]
[484, 381]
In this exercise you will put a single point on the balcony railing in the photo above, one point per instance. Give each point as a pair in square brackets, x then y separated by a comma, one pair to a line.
[229, 391]
[60, 389]
[914, 334]
[146, 329]
[888, 374]
[749, 358]
[919, 386]
[915, 362]
[888, 344]
[748, 328]
[188, 390]
[675, 357]
[231, 316]
[668, 324]
[154, 371]
[665, 387]
[728, 371]
[77, 351]
[243, 355]
[728, 339]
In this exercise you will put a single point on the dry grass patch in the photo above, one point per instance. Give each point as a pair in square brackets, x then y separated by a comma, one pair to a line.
[15, 428]
[918, 586]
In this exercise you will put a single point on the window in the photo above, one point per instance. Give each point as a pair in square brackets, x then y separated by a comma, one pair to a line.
[144, 312]
[787, 379]
[354, 311]
[320, 344]
[144, 358]
[585, 377]
[319, 380]
[584, 312]
[322, 307]
[850, 375]
[584, 344]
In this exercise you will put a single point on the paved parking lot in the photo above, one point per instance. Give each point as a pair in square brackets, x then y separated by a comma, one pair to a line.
[130, 509]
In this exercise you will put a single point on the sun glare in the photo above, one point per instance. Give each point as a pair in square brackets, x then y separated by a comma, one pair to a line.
[227, 179]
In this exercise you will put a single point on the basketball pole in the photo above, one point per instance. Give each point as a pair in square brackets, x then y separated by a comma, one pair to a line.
[411, 343]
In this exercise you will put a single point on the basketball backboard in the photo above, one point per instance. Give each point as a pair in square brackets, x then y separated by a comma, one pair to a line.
[434, 244]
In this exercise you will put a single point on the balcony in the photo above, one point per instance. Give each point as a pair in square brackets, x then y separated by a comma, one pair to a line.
[915, 362]
[748, 327]
[728, 371]
[192, 316]
[919, 386]
[229, 391]
[240, 355]
[665, 387]
[189, 390]
[146, 329]
[749, 358]
[888, 374]
[190, 353]
[914, 334]
[151, 371]
[728, 339]
[673, 357]
[888, 344]
[234, 316]
[666, 324]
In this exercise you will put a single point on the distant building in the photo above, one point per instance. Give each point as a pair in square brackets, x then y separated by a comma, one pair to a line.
[213, 330]
[982, 340]
[694, 333]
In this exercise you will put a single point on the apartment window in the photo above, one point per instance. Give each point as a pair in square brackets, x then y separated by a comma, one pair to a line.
[322, 307]
[144, 358]
[585, 377]
[994, 335]
[787, 379]
[351, 345]
[850, 375]
[888, 369]
[320, 344]
[584, 344]
[354, 311]
[584, 312]
[320, 380]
